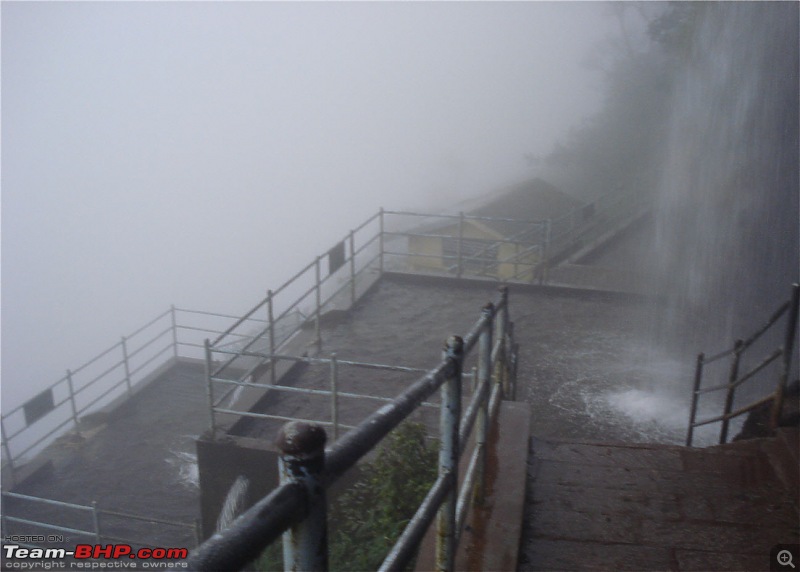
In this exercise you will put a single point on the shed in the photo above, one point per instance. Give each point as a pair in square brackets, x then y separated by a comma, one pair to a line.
[503, 237]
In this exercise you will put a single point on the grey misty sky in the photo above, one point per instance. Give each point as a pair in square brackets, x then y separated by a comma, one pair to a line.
[200, 153]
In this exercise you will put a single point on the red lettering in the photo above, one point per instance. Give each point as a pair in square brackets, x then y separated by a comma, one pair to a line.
[121, 550]
[83, 551]
[159, 553]
[105, 552]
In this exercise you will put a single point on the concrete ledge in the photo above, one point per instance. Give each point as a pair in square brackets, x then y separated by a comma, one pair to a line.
[552, 288]
[492, 533]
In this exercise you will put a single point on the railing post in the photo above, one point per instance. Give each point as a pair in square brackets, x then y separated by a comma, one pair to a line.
[271, 320]
[484, 379]
[352, 241]
[7, 451]
[302, 460]
[501, 331]
[698, 378]
[788, 349]
[174, 331]
[96, 522]
[335, 397]
[514, 365]
[380, 240]
[209, 387]
[510, 357]
[127, 365]
[545, 252]
[448, 456]
[317, 327]
[72, 400]
[732, 376]
[459, 246]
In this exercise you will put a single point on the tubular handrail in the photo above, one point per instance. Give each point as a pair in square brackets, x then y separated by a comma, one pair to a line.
[94, 511]
[137, 358]
[290, 505]
[790, 308]
[357, 250]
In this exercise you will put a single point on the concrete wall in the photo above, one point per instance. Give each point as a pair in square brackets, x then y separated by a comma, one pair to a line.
[223, 460]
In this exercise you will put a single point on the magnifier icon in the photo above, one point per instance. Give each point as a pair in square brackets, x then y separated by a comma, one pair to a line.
[785, 558]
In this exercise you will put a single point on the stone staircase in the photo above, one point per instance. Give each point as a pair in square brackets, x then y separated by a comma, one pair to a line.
[602, 506]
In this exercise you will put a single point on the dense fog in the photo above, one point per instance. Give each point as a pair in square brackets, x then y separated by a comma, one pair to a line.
[200, 153]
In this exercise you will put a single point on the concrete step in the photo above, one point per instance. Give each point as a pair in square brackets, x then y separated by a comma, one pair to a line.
[611, 506]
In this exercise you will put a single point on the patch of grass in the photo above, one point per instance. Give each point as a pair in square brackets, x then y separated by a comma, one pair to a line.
[366, 520]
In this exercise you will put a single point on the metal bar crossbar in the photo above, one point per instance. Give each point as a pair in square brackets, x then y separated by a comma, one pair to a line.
[293, 505]
[91, 510]
[790, 308]
[356, 245]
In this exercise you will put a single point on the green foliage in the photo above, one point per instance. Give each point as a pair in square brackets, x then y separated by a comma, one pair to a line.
[623, 145]
[365, 521]
[271, 559]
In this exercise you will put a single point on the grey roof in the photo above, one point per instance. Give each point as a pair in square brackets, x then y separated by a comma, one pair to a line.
[531, 200]
[535, 199]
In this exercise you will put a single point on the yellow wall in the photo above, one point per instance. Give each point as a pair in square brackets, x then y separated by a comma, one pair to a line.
[424, 246]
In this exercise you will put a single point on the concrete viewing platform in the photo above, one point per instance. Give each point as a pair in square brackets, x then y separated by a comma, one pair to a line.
[576, 483]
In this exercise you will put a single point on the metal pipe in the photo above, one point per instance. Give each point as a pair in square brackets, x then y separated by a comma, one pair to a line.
[317, 328]
[459, 246]
[788, 350]
[352, 269]
[174, 330]
[448, 456]
[501, 331]
[7, 451]
[271, 320]
[209, 388]
[698, 378]
[72, 400]
[259, 526]
[468, 488]
[126, 365]
[546, 251]
[734, 373]
[406, 546]
[334, 397]
[302, 461]
[382, 233]
[484, 375]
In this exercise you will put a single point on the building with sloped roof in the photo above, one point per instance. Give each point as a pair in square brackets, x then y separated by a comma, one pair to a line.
[504, 237]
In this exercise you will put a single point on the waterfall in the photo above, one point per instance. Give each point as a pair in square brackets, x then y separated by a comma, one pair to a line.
[234, 503]
[727, 207]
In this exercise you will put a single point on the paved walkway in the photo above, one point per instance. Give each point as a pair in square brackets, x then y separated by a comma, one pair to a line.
[138, 460]
[593, 506]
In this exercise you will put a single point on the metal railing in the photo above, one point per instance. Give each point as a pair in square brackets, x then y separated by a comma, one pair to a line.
[114, 374]
[524, 252]
[225, 405]
[86, 522]
[298, 505]
[250, 346]
[735, 379]
[333, 280]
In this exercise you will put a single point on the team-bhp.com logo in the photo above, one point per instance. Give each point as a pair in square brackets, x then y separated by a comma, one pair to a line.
[85, 552]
